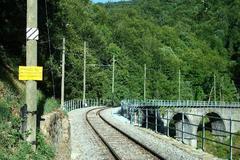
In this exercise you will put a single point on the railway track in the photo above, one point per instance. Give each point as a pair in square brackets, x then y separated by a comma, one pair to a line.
[120, 145]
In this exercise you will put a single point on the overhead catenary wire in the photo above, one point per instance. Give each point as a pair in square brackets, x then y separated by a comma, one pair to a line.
[49, 48]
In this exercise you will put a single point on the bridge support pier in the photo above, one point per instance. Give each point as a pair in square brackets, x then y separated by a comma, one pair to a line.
[188, 133]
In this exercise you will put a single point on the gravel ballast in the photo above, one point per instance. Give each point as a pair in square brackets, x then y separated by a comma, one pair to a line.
[167, 147]
[85, 144]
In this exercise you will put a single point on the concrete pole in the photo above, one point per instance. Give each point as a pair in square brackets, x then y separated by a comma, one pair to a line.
[63, 74]
[214, 87]
[144, 83]
[179, 85]
[31, 86]
[113, 79]
[84, 72]
[222, 89]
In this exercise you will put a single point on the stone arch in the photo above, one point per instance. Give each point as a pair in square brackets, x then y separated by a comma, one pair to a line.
[215, 124]
[175, 127]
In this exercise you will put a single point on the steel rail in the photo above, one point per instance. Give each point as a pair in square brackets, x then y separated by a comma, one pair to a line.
[111, 150]
[130, 137]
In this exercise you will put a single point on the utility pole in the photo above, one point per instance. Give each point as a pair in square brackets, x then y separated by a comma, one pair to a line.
[220, 90]
[214, 86]
[144, 82]
[84, 71]
[179, 85]
[113, 78]
[63, 74]
[31, 60]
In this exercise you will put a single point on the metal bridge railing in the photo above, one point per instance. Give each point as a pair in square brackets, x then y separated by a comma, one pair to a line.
[161, 122]
[180, 103]
[77, 103]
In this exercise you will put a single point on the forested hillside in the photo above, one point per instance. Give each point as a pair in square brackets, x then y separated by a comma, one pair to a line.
[200, 38]
[190, 40]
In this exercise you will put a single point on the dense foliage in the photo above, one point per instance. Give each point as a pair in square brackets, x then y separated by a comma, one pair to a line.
[200, 38]
[217, 149]
[12, 144]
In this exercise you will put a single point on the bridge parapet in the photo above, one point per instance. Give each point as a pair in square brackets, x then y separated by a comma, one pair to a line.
[181, 103]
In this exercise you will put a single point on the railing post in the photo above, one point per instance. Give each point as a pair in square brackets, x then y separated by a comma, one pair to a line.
[156, 118]
[75, 105]
[203, 132]
[130, 115]
[72, 104]
[65, 106]
[230, 138]
[68, 106]
[146, 117]
[182, 127]
[139, 117]
[135, 117]
[167, 122]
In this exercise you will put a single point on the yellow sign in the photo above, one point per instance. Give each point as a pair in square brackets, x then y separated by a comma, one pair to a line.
[30, 73]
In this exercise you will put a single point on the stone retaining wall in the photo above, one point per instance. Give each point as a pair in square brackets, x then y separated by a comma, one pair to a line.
[56, 129]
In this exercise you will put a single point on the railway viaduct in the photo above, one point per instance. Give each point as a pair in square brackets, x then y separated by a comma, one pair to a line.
[189, 116]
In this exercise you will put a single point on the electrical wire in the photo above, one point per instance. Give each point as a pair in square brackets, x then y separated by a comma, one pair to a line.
[49, 48]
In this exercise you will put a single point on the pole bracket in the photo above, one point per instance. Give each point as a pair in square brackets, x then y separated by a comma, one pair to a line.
[32, 112]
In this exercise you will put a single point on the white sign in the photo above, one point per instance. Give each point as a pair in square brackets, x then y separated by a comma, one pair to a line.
[32, 33]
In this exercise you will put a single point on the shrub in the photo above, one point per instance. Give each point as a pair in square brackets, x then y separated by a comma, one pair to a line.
[4, 111]
[13, 147]
[50, 105]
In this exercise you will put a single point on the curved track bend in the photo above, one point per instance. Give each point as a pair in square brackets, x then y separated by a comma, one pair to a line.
[121, 145]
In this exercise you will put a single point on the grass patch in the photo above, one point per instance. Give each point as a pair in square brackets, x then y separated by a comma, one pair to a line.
[50, 105]
[220, 150]
[4, 111]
